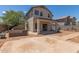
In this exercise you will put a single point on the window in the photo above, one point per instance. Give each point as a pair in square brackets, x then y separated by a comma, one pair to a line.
[48, 15]
[41, 14]
[36, 12]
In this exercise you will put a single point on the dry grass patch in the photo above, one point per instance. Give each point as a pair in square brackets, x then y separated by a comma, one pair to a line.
[76, 39]
[2, 41]
[50, 41]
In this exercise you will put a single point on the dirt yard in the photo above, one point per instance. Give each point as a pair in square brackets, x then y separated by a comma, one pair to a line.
[63, 33]
[56, 43]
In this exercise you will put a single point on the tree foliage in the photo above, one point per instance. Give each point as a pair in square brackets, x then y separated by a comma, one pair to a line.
[13, 18]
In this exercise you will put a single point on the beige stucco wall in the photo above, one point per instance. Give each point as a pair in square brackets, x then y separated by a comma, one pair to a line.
[61, 23]
[30, 24]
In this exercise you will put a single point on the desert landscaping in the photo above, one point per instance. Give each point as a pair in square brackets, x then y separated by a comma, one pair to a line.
[64, 42]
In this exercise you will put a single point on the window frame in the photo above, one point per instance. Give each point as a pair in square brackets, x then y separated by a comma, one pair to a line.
[49, 16]
[41, 13]
[36, 12]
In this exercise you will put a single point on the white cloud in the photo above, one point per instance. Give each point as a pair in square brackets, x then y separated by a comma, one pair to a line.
[3, 12]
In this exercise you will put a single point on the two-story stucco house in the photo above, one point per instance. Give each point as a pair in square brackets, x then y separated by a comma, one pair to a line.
[40, 21]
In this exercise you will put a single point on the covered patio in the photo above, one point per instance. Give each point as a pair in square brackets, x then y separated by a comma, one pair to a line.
[44, 26]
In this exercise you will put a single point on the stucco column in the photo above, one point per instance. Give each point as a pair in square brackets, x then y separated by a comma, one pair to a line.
[38, 26]
[49, 26]
[25, 25]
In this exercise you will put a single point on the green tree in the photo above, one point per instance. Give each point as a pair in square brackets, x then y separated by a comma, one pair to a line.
[12, 18]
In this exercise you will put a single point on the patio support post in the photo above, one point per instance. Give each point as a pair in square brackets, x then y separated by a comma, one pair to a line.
[38, 26]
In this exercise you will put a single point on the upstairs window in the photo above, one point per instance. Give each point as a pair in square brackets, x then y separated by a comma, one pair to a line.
[41, 14]
[36, 12]
[49, 16]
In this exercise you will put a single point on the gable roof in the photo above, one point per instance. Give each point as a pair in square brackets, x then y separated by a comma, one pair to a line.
[63, 19]
[37, 7]
[60, 20]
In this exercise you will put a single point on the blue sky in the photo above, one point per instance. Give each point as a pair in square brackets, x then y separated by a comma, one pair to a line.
[57, 10]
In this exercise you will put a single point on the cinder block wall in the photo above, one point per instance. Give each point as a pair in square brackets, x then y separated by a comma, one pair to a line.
[15, 33]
